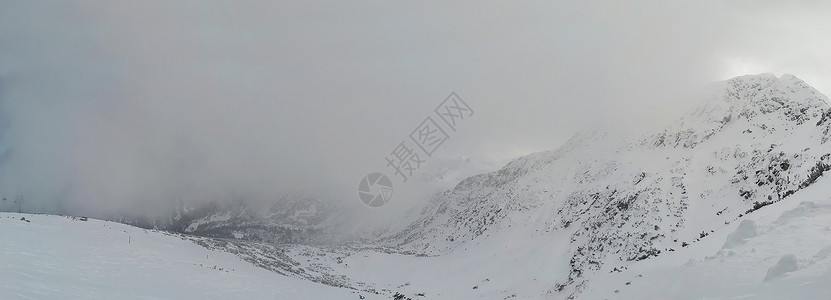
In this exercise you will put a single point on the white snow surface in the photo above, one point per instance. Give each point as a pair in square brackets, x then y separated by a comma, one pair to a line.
[56, 257]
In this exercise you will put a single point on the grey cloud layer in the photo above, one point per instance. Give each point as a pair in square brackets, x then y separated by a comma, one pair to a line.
[110, 106]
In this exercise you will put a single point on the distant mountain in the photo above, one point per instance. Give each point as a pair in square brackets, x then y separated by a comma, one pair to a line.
[300, 218]
[294, 218]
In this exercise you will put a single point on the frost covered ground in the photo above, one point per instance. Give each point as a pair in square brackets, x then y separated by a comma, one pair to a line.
[55, 257]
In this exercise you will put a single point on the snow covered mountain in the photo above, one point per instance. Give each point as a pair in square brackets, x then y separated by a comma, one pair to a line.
[728, 202]
[754, 141]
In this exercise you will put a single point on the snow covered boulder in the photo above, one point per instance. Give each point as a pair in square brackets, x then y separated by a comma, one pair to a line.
[786, 264]
[747, 229]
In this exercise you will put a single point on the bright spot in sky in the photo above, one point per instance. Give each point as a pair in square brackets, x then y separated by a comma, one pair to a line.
[737, 66]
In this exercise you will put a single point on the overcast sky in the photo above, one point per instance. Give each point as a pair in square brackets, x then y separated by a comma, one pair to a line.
[105, 105]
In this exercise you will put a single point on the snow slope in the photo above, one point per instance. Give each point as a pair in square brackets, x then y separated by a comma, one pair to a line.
[55, 257]
[788, 257]
[617, 200]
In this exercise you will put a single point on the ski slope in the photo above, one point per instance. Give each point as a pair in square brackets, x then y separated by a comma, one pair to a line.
[56, 257]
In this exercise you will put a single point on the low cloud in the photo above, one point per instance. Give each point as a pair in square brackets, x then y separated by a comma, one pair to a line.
[109, 107]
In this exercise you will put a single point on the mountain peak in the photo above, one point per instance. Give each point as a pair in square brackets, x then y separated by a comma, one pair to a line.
[763, 103]
[768, 92]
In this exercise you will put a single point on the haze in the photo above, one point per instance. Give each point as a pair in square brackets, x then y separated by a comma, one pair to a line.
[115, 106]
